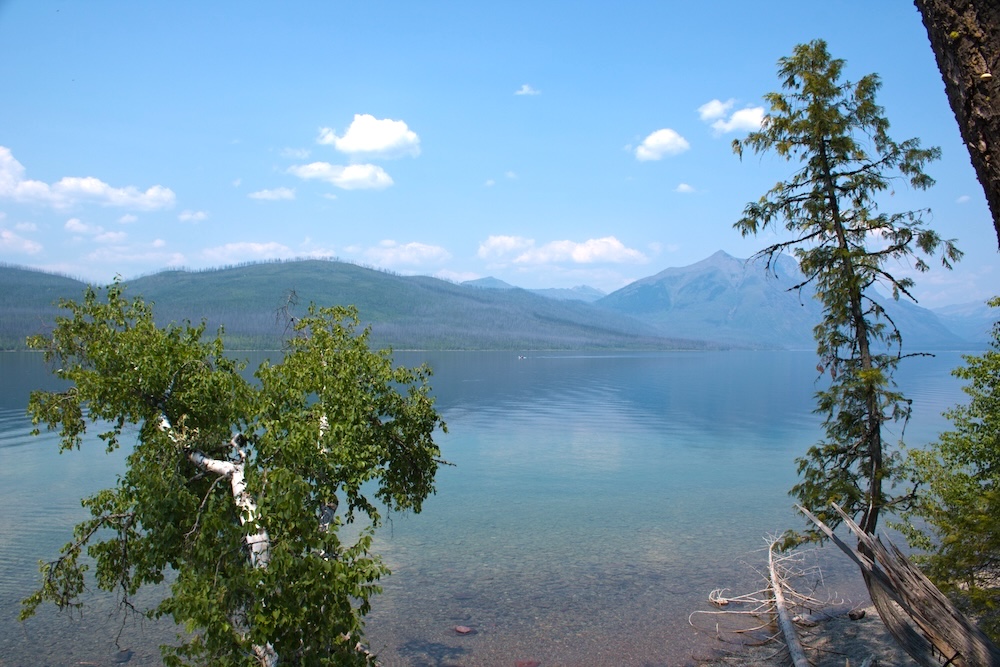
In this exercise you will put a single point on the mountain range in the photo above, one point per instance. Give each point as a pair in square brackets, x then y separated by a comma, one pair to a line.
[721, 301]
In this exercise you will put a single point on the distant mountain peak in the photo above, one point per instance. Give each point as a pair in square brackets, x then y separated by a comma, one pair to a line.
[488, 282]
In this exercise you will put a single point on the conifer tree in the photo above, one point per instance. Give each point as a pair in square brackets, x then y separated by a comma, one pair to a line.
[846, 247]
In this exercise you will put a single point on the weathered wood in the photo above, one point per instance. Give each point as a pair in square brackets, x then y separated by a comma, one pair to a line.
[924, 622]
[785, 623]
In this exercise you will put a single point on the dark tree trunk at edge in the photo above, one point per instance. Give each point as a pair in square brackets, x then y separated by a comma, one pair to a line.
[965, 37]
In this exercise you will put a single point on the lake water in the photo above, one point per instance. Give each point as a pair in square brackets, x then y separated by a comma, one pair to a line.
[594, 502]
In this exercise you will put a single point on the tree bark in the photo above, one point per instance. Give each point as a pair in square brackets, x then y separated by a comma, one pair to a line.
[259, 542]
[965, 38]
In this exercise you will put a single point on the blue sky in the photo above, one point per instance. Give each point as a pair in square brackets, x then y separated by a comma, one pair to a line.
[549, 144]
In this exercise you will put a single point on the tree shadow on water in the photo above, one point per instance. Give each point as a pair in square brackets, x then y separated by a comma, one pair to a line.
[422, 653]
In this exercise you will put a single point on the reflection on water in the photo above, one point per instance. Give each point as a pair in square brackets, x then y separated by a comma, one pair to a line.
[594, 502]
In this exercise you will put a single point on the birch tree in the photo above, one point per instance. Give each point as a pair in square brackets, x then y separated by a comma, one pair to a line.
[846, 247]
[235, 492]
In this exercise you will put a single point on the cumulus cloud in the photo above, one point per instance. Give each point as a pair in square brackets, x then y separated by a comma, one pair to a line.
[246, 252]
[276, 194]
[110, 237]
[498, 246]
[743, 120]
[526, 89]
[350, 177]
[368, 135]
[684, 188]
[116, 255]
[128, 219]
[96, 232]
[660, 143]
[77, 226]
[391, 253]
[15, 243]
[72, 190]
[520, 250]
[192, 216]
[715, 109]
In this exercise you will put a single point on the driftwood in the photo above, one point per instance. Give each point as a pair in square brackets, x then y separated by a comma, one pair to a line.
[773, 614]
[785, 623]
[924, 622]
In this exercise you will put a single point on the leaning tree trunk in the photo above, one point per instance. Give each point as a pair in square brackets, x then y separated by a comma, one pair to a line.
[965, 37]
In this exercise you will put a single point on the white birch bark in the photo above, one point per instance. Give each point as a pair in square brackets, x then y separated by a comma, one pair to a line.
[259, 542]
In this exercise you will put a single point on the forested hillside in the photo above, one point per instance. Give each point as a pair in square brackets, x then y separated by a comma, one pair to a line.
[721, 301]
[253, 303]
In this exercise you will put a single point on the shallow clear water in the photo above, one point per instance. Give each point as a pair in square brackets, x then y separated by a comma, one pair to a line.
[594, 502]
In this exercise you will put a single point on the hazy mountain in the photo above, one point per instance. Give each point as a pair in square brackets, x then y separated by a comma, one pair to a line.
[722, 299]
[731, 300]
[252, 303]
[488, 282]
[972, 321]
[27, 301]
[583, 293]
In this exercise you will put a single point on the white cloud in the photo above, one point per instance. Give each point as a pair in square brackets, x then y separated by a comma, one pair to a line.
[660, 143]
[273, 195]
[490, 183]
[684, 188]
[71, 190]
[715, 109]
[237, 182]
[246, 252]
[295, 153]
[192, 216]
[136, 254]
[25, 226]
[498, 246]
[15, 243]
[748, 119]
[385, 138]
[110, 237]
[351, 177]
[77, 226]
[511, 175]
[964, 199]
[520, 250]
[128, 218]
[526, 89]
[391, 253]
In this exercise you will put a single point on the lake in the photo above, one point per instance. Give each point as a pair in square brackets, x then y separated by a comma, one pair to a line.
[594, 502]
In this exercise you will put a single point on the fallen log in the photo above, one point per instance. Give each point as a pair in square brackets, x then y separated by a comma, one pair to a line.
[785, 623]
[924, 622]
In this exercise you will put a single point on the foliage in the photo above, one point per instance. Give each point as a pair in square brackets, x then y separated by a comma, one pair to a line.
[960, 501]
[332, 425]
[844, 245]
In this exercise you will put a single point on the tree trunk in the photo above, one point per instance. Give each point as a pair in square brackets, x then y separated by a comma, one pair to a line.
[965, 37]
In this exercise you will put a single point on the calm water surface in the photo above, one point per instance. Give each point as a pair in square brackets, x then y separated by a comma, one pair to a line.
[594, 502]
